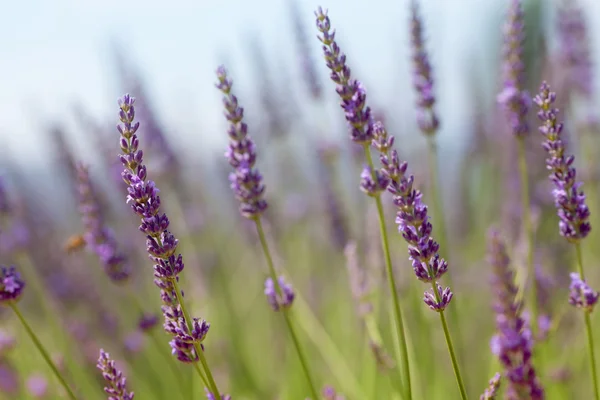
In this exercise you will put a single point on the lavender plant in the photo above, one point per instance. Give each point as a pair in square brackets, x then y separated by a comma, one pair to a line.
[516, 103]
[246, 183]
[116, 383]
[188, 334]
[513, 344]
[573, 212]
[373, 181]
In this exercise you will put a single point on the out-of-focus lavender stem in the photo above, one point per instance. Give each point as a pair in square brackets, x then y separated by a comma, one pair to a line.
[273, 274]
[588, 328]
[42, 350]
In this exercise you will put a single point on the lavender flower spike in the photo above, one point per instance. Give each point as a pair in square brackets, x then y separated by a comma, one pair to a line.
[246, 181]
[515, 100]
[11, 284]
[568, 198]
[351, 92]
[98, 237]
[581, 295]
[161, 244]
[422, 76]
[513, 342]
[492, 390]
[210, 396]
[117, 383]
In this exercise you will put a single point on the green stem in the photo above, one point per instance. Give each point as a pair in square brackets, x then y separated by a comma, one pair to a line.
[399, 323]
[211, 382]
[273, 274]
[588, 329]
[528, 230]
[459, 380]
[42, 350]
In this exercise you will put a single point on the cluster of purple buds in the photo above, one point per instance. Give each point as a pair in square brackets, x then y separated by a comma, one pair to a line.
[117, 383]
[373, 181]
[99, 238]
[581, 295]
[422, 76]
[573, 213]
[246, 181]
[280, 297]
[491, 391]
[351, 92]
[161, 244]
[11, 284]
[513, 97]
[513, 343]
[147, 322]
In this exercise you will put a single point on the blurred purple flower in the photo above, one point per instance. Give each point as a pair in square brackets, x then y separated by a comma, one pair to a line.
[581, 295]
[9, 379]
[422, 76]
[37, 385]
[98, 236]
[491, 391]
[117, 383]
[279, 301]
[11, 284]
[513, 97]
[573, 213]
[210, 396]
[513, 343]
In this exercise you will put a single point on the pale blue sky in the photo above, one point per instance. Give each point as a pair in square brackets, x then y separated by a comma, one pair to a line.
[55, 53]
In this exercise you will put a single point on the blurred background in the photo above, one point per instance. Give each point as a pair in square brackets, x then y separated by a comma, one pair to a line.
[65, 63]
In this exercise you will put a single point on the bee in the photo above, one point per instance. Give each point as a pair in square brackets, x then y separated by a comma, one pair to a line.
[74, 243]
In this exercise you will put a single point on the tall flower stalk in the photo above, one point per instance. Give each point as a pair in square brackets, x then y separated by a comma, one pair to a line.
[573, 212]
[247, 185]
[513, 343]
[516, 102]
[373, 182]
[11, 289]
[188, 334]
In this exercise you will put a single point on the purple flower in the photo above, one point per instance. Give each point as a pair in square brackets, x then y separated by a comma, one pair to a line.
[515, 100]
[117, 383]
[98, 236]
[9, 378]
[308, 67]
[581, 295]
[440, 300]
[147, 322]
[161, 244]
[246, 181]
[351, 92]
[573, 213]
[513, 343]
[422, 76]
[491, 391]
[37, 385]
[329, 393]
[373, 182]
[11, 284]
[575, 49]
[279, 300]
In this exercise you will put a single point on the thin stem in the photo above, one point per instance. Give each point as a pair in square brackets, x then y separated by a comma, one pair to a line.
[211, 382]
[459, 380]
[588, 329]
[399, 323]
[42, 350]
[528, 230]
[273, 274]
